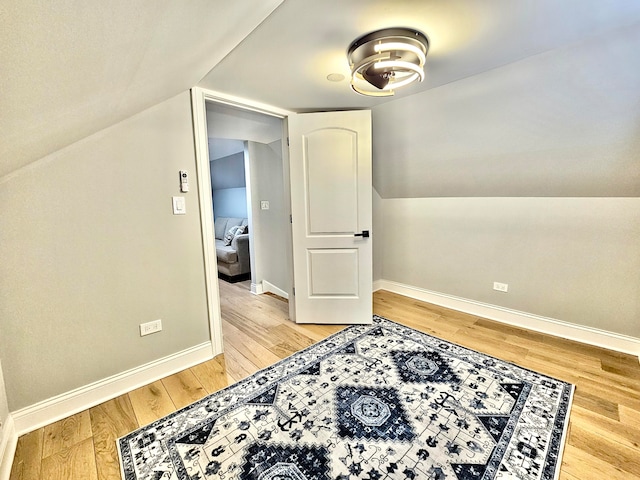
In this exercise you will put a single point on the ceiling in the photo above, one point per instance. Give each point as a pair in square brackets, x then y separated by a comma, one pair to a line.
[226, 125]
[564, 123]
[72, 68]
[224, 147]
[285, 61]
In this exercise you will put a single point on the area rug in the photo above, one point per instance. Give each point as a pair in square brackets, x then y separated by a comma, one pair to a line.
[374, 402]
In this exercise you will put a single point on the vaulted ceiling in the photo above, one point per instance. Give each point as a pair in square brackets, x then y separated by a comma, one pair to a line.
[526, 97]
[286, 60]
[70, 68]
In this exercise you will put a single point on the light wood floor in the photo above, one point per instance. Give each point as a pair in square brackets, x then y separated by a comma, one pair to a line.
[604, 435]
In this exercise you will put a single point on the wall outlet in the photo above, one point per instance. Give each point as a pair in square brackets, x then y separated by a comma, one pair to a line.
[150, 327]
[264, 204]
[501, 287]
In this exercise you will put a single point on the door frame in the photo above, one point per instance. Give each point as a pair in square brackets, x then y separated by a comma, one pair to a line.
[199, 97]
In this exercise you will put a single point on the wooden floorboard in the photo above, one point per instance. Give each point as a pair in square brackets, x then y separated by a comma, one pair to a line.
[110, 421]
[151, 402]
[66, 433]
[604, 433]
[184, 388]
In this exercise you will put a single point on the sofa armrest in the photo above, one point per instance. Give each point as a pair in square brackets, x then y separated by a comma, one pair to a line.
[240, 244]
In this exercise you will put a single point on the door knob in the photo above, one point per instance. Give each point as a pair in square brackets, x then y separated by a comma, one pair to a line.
[365, 234]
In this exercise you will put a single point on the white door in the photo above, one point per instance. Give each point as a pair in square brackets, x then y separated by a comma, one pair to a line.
[331, 195]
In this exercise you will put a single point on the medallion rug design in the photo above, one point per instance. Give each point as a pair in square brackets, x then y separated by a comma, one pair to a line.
[372, 402]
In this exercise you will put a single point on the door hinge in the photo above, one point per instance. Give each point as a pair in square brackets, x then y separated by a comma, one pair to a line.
[290, 218]
[287, 141]
[294, 291]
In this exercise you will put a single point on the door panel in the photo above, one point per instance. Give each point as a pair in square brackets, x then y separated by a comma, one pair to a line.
[331, 195]
[331, 171]
[333, 272]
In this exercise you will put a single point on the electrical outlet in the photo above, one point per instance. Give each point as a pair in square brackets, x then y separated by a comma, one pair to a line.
[150, 327]
[501, 287]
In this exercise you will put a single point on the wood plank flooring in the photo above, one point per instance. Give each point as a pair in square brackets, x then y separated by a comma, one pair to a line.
[604, 432]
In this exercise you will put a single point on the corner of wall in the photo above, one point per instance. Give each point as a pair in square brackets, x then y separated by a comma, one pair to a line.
[378, 230]
[8, 444]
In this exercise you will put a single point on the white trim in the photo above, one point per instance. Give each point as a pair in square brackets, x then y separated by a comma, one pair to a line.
[242, 103]
[8, 445]
[256, 288]
[206, 218]
[61, 406]
[551, 326]
[199, 97]
[270, 287]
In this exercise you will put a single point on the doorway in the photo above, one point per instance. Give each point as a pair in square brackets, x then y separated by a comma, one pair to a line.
[331, 172]
[248, 184]
[234, 132]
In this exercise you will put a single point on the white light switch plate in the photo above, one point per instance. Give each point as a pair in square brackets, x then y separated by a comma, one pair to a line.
[179, 206]
[264, 204]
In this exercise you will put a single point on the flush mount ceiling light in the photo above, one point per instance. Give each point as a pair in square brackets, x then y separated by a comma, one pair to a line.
[386, 59]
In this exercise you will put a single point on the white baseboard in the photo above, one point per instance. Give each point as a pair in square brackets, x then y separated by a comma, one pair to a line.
[8, 444]
[551, 326]
[378, 285]
[61, 406]
[270, 287]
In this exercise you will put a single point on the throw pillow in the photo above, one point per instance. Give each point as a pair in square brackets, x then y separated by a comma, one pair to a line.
[231, 233]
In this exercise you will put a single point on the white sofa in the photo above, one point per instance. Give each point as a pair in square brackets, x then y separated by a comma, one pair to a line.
[233, 260]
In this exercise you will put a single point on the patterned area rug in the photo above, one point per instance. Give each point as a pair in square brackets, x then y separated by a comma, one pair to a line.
[374, 402]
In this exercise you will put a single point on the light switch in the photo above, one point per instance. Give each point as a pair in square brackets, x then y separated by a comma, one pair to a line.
[179, 206]
[264, 204]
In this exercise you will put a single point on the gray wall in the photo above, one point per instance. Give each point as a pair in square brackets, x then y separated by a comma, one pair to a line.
[270, 227]
[228, 186]
[564, 123]
[90, 249]
[572, 259]
[377, 235]
[517, 175]
[228, 172]
[230, 202]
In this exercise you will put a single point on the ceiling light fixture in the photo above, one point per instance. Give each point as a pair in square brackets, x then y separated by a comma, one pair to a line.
[386, 59]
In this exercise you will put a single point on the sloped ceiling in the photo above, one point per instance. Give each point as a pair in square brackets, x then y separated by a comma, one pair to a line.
[564, 123]
[71, 68]
[517, 93]
[521, 98]
[227, 122]
[285, 61]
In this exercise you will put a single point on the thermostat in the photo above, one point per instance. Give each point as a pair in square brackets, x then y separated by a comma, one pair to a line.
[184, 181]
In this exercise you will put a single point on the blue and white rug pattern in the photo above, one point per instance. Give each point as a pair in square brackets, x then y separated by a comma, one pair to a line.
[372, 402]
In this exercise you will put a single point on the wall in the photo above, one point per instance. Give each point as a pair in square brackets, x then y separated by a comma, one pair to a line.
[564, 123]
[90, 249]
[229, 186]
[572, 259]
[230, 202]
[527, 174]
[270, 227]
[377, 235]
